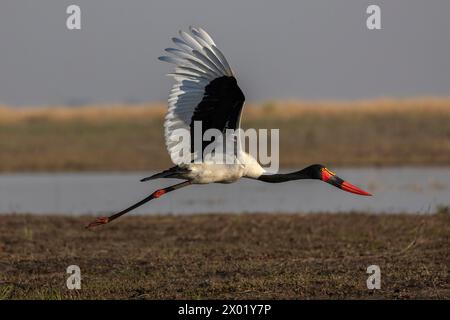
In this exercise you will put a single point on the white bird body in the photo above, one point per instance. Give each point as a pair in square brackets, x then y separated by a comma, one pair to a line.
[211, 172]
[203, 173]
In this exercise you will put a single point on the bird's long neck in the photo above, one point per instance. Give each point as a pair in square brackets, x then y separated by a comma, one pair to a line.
[305, 173]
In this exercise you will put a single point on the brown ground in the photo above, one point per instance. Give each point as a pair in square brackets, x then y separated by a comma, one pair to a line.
[273, 256]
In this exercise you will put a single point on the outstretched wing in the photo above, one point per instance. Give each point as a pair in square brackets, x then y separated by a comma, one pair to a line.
[205, 90]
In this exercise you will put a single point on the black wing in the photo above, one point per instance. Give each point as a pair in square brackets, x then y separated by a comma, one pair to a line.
[220, 108]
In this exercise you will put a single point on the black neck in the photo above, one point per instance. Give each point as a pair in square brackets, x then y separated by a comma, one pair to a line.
[311, 172]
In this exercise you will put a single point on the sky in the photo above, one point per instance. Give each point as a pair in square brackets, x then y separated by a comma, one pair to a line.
[307, 49]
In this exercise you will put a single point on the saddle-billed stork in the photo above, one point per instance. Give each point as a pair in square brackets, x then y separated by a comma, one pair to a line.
[206, 90]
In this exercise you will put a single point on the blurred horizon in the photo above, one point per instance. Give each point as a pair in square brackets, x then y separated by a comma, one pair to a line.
[292, 103]
[313, 50]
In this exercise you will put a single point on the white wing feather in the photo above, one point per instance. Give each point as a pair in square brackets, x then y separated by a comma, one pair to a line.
[198, 62]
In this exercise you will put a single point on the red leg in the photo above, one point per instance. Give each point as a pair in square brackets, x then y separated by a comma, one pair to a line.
[158, 193]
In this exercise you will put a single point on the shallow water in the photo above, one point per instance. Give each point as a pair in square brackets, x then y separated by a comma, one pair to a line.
[396, 190]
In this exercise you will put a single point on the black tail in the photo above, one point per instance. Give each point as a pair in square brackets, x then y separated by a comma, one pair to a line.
[173, 172]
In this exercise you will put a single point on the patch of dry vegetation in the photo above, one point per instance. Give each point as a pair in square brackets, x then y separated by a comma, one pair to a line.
[120, 137]
[90, 113]
[251, 256]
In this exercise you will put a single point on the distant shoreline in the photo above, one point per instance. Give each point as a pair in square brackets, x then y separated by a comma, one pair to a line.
[381, 132]
[158, 108]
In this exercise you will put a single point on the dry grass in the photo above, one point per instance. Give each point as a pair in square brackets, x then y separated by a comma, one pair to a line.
[279, 109]
[90, 113]
[270, 256]
[120, 137]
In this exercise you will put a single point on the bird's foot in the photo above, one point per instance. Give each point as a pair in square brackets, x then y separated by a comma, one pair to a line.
[98, 222]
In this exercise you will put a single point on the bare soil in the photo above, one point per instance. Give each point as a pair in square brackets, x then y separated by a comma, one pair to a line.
[248, 256]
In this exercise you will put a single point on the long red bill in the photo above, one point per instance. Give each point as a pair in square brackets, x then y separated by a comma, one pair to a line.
[353, 189]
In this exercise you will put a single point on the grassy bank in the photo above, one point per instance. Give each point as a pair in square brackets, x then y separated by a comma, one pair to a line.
[226, 256]
[361, 133]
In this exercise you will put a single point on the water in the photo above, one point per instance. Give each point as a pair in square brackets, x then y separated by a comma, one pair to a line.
[396, 190]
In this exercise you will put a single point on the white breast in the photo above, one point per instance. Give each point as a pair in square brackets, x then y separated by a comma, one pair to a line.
[202, 173]
[209, 172]
[252, 169]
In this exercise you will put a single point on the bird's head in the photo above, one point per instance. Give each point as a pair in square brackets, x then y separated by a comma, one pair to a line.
[320, 172]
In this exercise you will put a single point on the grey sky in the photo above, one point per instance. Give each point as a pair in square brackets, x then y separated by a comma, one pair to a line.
[311, 49]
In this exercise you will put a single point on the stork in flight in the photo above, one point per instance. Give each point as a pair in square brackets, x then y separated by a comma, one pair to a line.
[206, 90]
